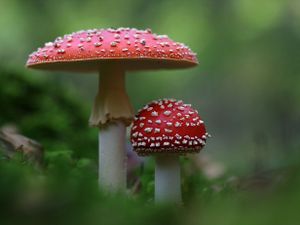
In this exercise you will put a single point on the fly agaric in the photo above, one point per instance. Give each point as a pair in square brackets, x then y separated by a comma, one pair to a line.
[166, 129]
[112, 52]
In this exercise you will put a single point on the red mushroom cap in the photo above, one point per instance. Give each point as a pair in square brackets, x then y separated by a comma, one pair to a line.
[168, 126]
[89, 50]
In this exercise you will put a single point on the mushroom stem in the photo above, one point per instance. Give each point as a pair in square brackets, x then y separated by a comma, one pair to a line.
[112, 157]
[112, 112]
[112, 102]
[167, 179]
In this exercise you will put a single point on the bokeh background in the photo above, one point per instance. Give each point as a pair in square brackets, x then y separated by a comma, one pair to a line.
[246, 88]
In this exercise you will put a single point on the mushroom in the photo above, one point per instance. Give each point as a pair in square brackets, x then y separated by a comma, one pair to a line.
[112, 52]
[167, 129]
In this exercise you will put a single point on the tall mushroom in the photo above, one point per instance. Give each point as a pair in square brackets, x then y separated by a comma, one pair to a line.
[112, 52]
[167, 129]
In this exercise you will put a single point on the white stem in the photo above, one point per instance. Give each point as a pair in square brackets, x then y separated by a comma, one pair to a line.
[112, 157]
[112, 112]
[167, 179]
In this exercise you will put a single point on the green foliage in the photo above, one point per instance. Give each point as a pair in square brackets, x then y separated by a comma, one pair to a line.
[47, 112]
[66, 192]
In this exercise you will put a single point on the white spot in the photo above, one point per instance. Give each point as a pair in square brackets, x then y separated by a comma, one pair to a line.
[148, 129]
[168, 130]
[113, 44]
[169, 124]
[135, 134]
[154, 113]
[167, 113]
[143, 42]
[178, 136]
[179, 102]
[49, 44]
[142, 143]
[142, 124]
[177, 124]
[166, 143]
[156, 130]
[97, 44]
[158, 121]
[61, 51]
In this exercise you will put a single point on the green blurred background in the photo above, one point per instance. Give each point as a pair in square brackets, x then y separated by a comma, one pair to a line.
[246, 88]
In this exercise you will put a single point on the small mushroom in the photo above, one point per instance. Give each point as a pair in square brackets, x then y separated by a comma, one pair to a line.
[112, 52]
[167, 129]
